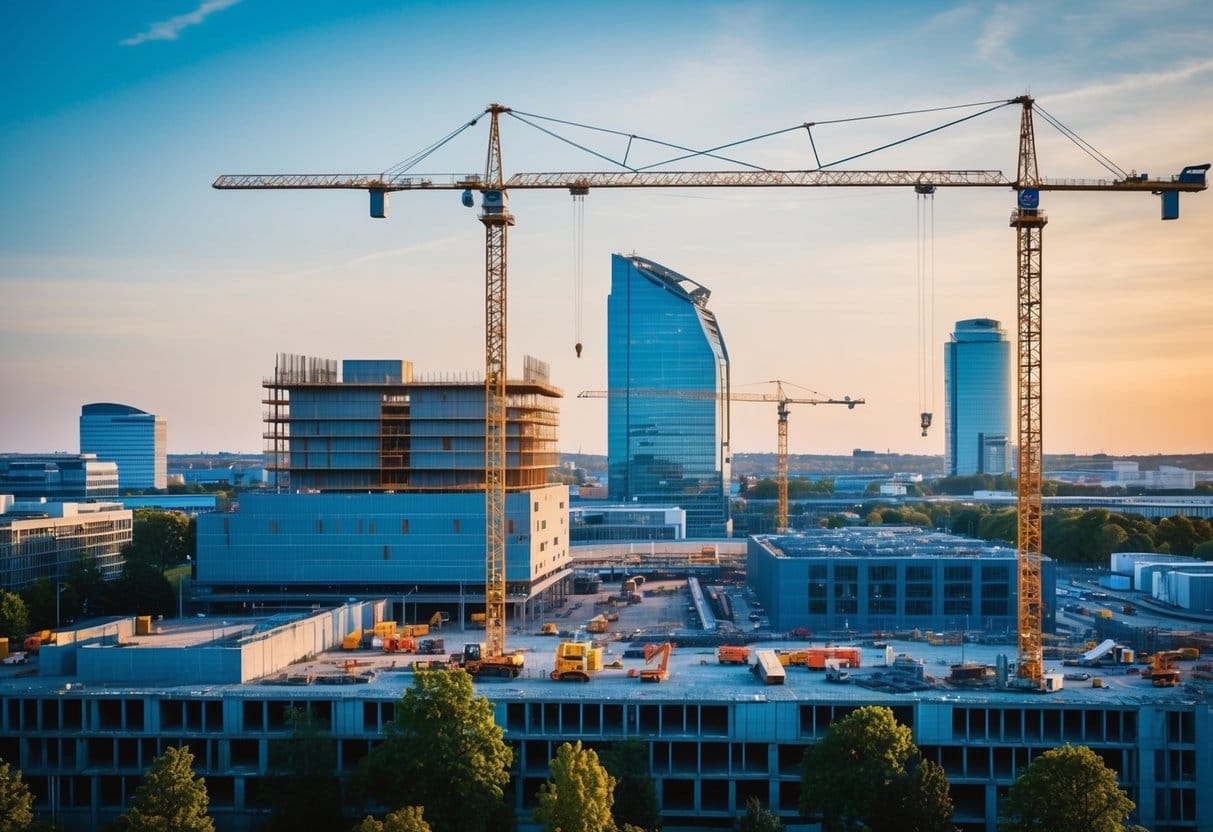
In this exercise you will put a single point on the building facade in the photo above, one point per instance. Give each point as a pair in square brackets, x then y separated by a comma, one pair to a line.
[895, 578]
[136, 440]
[667, 408]
[300, 549]
[47, 539]
[977, 391]
[58, 477]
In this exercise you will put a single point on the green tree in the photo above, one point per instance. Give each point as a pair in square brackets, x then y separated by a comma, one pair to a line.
[161, 538]
[1065, 789]
[917, 801]
[16, 801]
[14, 616]
[302, 790]
[1204, 551]
[848, 771]
[443, 751]
[578, 798]
[635, 792]
[408, 819]
[758, 818]
[171, 798]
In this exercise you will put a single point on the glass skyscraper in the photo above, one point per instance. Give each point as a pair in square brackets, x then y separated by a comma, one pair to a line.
[977, 387]
[668, 409]
[136, 440]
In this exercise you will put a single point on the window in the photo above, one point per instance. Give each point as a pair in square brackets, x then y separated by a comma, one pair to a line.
[455, 525]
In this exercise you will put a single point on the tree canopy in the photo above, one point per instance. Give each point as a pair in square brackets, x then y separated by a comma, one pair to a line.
[1065, 789]
[758, 818]
[866, 765]
[16, 801]
[635, 792]
[578, 796]
[171, 798]
[161, 538]
[408, 819]
[14, 616]
[443, 751]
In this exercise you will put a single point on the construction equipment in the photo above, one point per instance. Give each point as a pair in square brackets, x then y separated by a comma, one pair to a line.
[1163, 673]
[732, 654]
[431, 647]
[549, 629]
[597, 624]
[836, 672]
[36, 641]
[477, 661]
[352, 641]
[1027, 219]
[660, 673]
[818, 658]
[781, 400]
[576, 661]
[399, 644]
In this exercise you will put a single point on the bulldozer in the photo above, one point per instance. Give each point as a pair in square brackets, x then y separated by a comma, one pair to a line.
[576, 661]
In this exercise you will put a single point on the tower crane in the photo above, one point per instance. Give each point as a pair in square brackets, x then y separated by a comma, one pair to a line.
[781, 400]
[1027, 219]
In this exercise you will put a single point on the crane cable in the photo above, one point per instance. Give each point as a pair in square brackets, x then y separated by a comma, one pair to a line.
[578, 267]
[926, 305]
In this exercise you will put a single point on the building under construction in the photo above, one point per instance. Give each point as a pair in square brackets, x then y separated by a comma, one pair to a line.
[380, 480]
[375, 427]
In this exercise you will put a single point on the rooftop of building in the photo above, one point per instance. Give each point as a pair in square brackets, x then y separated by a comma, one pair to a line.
[111, 409]
[872, 542]
[695, 674]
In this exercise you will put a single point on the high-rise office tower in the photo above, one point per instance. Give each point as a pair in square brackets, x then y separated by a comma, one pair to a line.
[667, 411]
[136, 440]
[977, 387]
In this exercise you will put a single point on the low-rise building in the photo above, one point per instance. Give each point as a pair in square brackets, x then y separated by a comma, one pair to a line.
[42, 539]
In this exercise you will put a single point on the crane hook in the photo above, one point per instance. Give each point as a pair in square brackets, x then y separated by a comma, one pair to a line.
[926, 422]
[577, 347]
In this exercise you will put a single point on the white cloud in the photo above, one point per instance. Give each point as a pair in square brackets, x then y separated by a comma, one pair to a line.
[171, 28]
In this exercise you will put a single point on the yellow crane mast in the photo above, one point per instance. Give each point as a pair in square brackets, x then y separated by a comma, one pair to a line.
[781, 400]
[493, 188]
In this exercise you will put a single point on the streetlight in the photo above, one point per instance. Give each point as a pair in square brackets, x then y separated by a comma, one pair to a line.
[404, 605]
[180, 594]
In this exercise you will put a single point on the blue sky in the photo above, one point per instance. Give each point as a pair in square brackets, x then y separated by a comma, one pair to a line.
[125, 277]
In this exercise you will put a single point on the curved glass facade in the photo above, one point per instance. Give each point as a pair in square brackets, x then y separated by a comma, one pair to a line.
[667, 411]
[977, 386]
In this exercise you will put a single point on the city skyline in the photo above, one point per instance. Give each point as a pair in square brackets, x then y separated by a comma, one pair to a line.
[126, 278]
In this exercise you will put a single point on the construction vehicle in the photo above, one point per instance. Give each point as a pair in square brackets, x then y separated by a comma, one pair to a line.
[399, 644]
[781, 457]
[549, 629]
[768, 668]
[660, 673]
[732, 654]
[576, 661]
[1164, 674]
[597, 624]
[431, 647]
[353, 641]
[476, 661]
[438, 619]
[36, 641]
[1027, 219]
[1105, 613]
[836, 672]
[816, 658]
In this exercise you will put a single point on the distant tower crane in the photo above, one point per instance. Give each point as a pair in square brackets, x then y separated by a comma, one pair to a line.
[1027, 219]
[781, 400]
